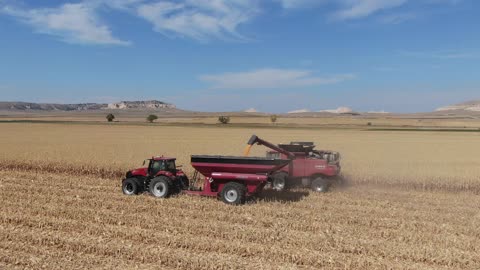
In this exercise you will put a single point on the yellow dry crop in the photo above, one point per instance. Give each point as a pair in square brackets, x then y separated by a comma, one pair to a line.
[412, 202]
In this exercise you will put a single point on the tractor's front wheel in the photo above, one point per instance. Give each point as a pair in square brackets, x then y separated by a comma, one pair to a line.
[131, 186]
[160, 187]
[233, 193]
[320, 184]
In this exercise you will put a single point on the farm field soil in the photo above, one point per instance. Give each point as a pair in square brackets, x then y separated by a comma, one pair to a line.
[54, 221]
[411, 203]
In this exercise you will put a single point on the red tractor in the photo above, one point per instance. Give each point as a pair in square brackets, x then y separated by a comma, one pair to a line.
[161, 178]
[317, 169]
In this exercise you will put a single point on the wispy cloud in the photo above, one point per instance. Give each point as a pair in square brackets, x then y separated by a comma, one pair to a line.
[195, 19]
[73, 23]
[354, 9]
[344, 10]
[270, 78]
[199, 19]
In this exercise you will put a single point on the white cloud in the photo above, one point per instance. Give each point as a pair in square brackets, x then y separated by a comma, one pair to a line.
[270, 79]
[354, 9]
[349, 9]
[357, 9]
[196, 19]
[73, 23]
[199, 19]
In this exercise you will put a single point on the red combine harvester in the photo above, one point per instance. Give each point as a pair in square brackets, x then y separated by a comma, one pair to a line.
[317, 169]
[233, 179]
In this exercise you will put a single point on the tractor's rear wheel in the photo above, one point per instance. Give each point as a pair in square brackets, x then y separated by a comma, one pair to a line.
[320, 184]
[131, 186]
[184, 182]
[280, 181]
[233, 193]
[160, 187]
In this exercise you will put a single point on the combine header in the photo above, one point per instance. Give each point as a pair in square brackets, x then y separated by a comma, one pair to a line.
[231, 178]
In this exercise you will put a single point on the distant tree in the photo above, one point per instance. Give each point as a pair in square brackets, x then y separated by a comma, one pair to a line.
[369, 123]
[110, 117]
[151, 118]
[224, 119]
[273, 118]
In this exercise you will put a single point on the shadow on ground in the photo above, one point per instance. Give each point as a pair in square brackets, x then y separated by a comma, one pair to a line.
[270, 195]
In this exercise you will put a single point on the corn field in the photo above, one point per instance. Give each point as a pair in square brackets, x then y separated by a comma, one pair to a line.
[411, 203]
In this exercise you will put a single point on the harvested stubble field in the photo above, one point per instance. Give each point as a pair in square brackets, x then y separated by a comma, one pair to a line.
[412, 203]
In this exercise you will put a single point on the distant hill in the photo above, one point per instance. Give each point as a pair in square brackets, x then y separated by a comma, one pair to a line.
[251, 110]
[149, 104]
[123, 105]
[299, 111]
[472, 106]
[338, 110]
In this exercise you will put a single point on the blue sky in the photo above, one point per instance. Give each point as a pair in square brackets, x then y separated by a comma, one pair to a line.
[218, 55]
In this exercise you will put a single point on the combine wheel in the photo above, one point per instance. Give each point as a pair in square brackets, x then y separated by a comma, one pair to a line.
[160, 187]
[320, 184]
[280, 181]
[131, 186]
[233, 193]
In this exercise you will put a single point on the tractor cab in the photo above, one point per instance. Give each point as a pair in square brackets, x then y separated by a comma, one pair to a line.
[158, 164]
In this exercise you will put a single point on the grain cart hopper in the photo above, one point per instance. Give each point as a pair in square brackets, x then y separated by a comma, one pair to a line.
[317, 169]
[233, 179]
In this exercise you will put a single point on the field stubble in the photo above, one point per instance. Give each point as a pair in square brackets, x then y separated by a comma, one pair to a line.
[60, 221]
[62, 206]
[411, 160]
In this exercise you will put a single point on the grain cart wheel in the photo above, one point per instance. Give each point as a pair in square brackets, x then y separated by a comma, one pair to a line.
[320, 184]
[233, 193]
[131, 186]
[160, 187]
[280, 181]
